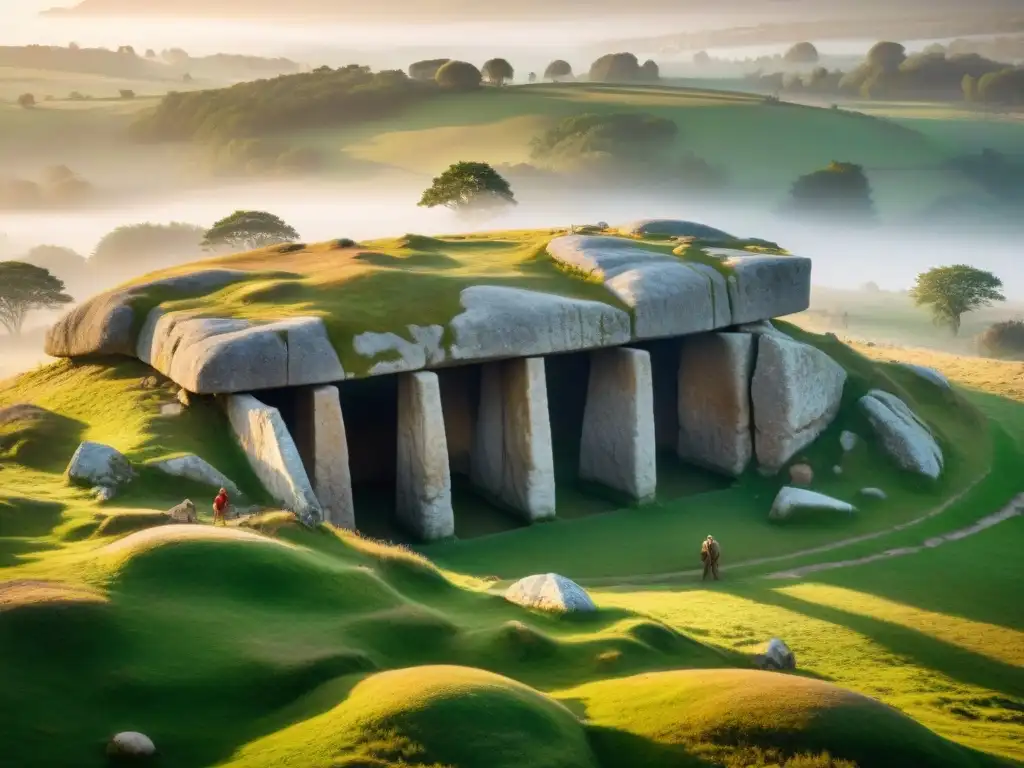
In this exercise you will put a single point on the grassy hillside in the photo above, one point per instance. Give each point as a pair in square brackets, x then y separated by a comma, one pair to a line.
[266, 644]
[730, 130]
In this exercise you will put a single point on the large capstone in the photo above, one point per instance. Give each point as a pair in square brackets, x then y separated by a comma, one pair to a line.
[273, 455]
[323, 444]
[903, 435]
[617, 447]
[714, 401]
[512, 458]
[550, 592]
[95, 464]
[796, 391]
[423, 496]
[764, 286]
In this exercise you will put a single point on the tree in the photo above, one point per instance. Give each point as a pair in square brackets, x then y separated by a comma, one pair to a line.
[127, 50]
[969, 86]
[615, 67]
[887, 56]
[127, 93]
[24, 287]
[139, 248]
[870, 287]
[801, 53]
[840, 189]
[497, 71]
[701, 58]
[649, 71]
[951, 291]
[468, 186]
[150, 53]
[458, 76]
[249, 230]
[426, 69]
[26, 101]
[532, 77]
[559, 69]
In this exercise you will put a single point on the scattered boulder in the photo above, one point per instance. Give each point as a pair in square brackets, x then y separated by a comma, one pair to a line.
[171, 409]
[934, 376]
[130, 745]
[191, 467]
[550, 592]
[791, 500]
[183, 398]
[873, 493]
[104, 492]
[837, 470]
[97, 464]
[848, 440]
[150, 382]
[777, 656]
[796, 391]
[184, 512]
[801, 474]
[906, 438]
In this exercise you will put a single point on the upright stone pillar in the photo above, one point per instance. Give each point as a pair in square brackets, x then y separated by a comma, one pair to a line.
[618, 447]
[715, 370]
[423, 494]
[320, 434]
[512, 458]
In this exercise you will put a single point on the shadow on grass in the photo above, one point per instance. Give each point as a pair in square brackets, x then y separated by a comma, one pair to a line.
[24, 524]
[947, 659]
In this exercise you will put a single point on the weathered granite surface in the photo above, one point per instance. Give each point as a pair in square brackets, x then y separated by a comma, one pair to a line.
[904, 436]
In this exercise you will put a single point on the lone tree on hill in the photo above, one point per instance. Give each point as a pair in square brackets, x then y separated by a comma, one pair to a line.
[426, 69]
[24, 287]
[249, 230]
[458, 76]
[801, 53]
[951, 291]
[559, 69]
[468, 186]
[497, 71]
[26, 101]
[841, 189]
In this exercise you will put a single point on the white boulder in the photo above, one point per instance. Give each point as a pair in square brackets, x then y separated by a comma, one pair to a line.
[130, 744]
[796, 391]
[97, 464]
[873, 493]
[792, 500]
[848, 440]
[191, 467]
[932, 375]
[778, 655]
[906, 438]
[550, 592]
[184, 512]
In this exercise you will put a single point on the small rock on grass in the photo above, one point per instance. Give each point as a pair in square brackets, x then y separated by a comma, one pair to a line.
[130, 745]
[776, 656]
[848, 440]
[801, 474]
[874, 493]
[837, 470]
[104, 492]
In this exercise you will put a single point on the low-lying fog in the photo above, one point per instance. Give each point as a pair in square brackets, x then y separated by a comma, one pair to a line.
[844, 257]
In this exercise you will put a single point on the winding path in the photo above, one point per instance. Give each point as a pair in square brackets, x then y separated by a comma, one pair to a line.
[1014, 508]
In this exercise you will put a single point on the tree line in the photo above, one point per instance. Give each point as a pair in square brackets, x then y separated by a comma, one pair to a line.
[888, 72]
[350, 94]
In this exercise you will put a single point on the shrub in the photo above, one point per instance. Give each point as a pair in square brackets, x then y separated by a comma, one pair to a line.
[26, 101]
[426, 69]
[127, 93]
[1003, 340]
[458, 76]
[559, 69]
[615, 67]
[497, 71]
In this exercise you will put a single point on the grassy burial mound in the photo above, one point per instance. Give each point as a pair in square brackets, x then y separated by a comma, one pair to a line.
[293, 315]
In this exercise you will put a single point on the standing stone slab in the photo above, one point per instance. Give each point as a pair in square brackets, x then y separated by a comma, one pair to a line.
[512, 456]
[273, 455]
[423, 496]
[617, 447]
[714, 401]
[323, 444]
[796, 392]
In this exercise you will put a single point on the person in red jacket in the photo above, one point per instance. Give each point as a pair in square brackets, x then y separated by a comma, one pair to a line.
[220, 507]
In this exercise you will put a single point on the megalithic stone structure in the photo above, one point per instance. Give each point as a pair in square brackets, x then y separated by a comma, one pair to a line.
[512, 459]
[715, 419]
[320, 434]
[423, 494]
[618, 447]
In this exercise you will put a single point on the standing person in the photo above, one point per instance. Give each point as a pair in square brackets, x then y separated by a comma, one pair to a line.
[220, 507]
[709, 554]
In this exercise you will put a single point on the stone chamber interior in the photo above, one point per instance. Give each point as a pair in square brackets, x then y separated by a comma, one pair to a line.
[370, 409]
